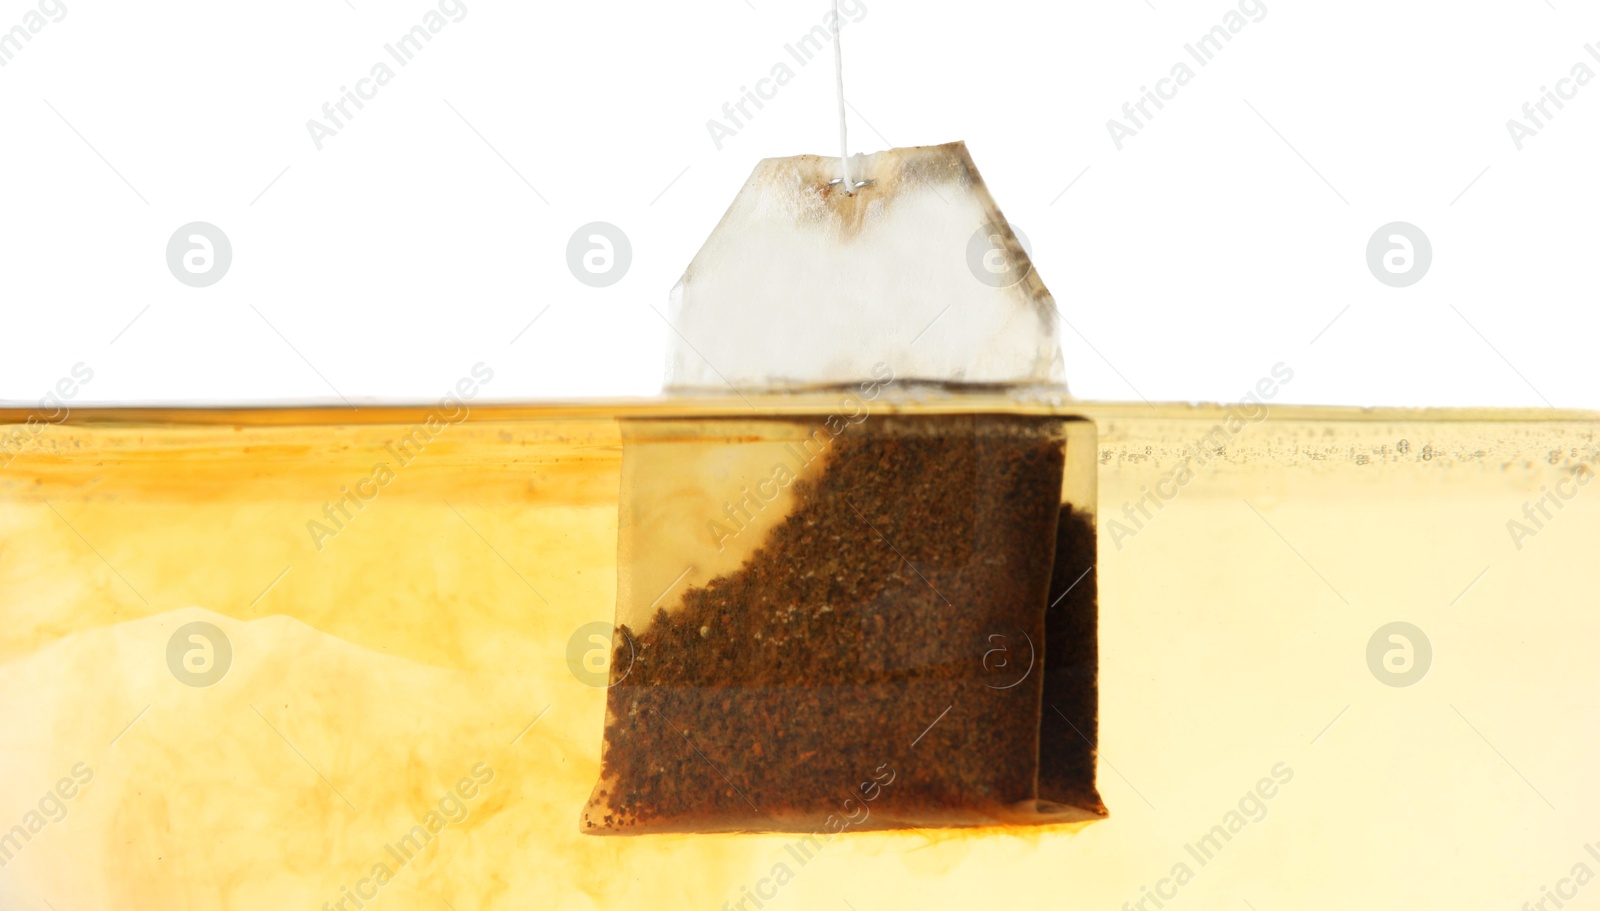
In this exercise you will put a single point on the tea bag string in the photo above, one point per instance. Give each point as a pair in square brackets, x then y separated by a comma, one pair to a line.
[838, 79]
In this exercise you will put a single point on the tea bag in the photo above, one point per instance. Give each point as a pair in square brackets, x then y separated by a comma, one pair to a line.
[855, 615]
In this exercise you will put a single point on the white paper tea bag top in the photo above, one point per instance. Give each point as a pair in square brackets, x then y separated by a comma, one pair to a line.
[804, 285]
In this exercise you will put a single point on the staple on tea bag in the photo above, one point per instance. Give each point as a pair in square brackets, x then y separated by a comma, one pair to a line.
[802, 284]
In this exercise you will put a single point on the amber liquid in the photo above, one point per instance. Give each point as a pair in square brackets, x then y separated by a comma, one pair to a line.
[399, 725]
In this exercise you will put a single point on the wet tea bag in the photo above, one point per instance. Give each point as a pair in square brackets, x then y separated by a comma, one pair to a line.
[861, 613]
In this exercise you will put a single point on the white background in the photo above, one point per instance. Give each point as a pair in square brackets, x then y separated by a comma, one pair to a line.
[1224, 238]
